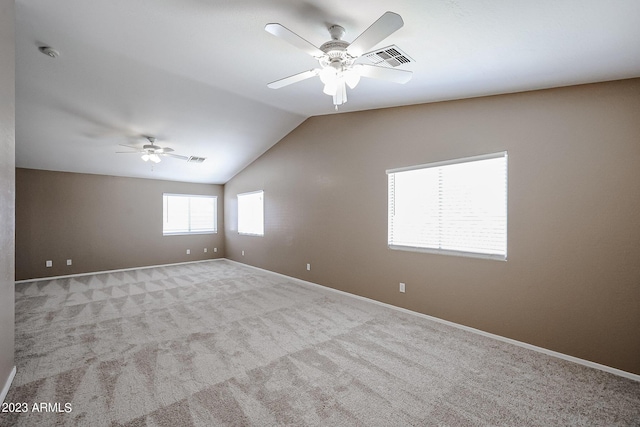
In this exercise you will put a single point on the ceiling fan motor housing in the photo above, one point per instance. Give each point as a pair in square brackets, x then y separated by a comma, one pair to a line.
[335, 48]
[336, 55]
[150, 147]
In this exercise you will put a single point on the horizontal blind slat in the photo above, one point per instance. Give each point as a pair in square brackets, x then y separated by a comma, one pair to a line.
[453, 206]
[251, 213]
[184, 214]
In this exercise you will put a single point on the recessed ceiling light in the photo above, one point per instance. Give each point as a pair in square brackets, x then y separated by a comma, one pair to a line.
[49, 51]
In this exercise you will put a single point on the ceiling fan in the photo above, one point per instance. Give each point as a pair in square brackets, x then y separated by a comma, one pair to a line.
[153, 152]
[337, 58]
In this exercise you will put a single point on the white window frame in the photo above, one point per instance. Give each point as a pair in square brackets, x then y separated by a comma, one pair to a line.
[242, 226]
[443, 242]
[189, 197]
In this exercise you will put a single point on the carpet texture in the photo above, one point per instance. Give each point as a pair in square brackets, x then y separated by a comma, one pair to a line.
[217, 343]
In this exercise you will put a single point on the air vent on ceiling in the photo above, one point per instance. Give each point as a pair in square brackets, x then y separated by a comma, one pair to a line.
[390, 56]
[195, 159]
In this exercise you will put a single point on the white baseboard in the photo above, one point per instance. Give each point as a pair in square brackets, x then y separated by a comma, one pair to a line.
[543, 350]
[39, 279]
[7, 384]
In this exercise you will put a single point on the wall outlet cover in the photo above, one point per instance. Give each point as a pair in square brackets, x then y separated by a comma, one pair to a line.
[402, 287]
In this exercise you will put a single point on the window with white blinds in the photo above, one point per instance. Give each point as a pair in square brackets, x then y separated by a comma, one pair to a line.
[251, 213]
[457, 207]
[189, 214]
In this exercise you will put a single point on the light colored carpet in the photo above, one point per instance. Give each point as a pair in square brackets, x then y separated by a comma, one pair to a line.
[217, 343]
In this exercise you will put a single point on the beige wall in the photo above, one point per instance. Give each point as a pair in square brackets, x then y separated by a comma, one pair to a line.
[572, 279]
[101, 223]
[7, 188]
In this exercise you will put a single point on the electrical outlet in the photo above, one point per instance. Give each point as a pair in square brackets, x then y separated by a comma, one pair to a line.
[308, 267]
[242, 253]
[215, 249]
[68, 262]
[188, 251]
[49, 263]
[402, 287]
[205, 250]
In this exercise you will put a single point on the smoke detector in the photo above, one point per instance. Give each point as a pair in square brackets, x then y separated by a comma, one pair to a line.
[49, 51]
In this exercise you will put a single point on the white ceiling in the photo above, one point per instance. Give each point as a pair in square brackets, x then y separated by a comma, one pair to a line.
[193, 73]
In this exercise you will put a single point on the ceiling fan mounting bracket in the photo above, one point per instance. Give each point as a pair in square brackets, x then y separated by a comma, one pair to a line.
[337, 32]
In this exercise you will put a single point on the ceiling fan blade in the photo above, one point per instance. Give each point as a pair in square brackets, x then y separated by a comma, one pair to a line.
[293, 79]
[288, 35]
[389, 74]
[167, 150]
[176, 156]
[131, 146]
[386, 25]
[127, 152]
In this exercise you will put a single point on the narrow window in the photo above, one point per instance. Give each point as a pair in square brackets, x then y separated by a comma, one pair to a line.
[251, 213]
[189, 214]
[456, 207]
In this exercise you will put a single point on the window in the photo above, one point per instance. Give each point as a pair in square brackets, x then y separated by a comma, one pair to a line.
[457, 207]
[251, 213]
[189, 214]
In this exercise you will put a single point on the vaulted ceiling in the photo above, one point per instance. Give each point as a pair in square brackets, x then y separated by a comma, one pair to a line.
[194, 73]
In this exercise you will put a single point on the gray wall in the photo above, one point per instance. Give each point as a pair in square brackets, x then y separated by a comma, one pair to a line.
[101, 223]
[7, 187]
[572, 279]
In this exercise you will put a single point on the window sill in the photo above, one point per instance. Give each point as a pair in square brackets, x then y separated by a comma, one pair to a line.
[495, 257]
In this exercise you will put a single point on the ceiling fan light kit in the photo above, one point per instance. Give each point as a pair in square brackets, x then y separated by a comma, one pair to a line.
[337, 58]
[153, 157]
